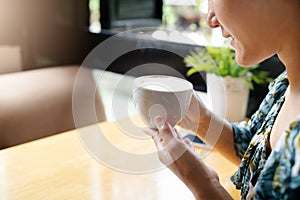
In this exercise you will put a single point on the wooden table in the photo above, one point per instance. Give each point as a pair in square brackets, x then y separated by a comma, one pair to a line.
[60, 167]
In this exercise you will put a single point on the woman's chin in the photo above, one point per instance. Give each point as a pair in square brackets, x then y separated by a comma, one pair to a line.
[244, 63]
[245, 60]
[248, 57]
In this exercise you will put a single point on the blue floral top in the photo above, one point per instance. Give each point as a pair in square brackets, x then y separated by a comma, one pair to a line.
[263, 176]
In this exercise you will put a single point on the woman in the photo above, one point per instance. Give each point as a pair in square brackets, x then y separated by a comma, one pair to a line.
[267, 147]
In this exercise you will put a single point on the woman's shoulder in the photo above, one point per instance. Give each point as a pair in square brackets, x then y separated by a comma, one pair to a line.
[288, 148]
[290, 140]
[282, 169]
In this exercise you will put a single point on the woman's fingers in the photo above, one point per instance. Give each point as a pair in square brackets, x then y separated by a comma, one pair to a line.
[193, 114]
[168, 141]
[165, 133]
[165, 129]
[159, 122]
[150, 131]
[189, 143]
[158, 141]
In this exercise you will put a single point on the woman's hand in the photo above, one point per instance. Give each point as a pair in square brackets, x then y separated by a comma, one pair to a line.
[179, 156]
[197, 117]
[169, 143]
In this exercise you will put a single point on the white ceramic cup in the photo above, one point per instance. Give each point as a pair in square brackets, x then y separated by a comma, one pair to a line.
[165, 96]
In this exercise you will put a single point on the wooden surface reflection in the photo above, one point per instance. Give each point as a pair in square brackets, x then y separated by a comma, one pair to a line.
[60, 167]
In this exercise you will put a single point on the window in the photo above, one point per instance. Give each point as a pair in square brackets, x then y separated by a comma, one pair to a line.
[185, 17]
[94, 7]
[127, 14]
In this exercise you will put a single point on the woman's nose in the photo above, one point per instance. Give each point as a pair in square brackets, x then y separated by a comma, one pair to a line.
[212, 20]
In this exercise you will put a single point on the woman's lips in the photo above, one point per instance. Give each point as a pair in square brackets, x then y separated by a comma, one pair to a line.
[232, 41]
[228, 36]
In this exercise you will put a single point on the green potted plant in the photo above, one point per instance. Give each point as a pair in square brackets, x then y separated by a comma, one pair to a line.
[228, 83]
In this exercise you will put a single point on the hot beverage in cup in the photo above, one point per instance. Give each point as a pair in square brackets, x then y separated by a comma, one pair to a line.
[165, 96]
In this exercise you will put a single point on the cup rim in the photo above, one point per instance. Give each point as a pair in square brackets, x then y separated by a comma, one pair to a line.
[138, 85]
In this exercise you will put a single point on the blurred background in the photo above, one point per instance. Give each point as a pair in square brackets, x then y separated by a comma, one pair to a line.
[40, 34]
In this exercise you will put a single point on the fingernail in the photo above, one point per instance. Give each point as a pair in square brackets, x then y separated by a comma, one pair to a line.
[159, 122]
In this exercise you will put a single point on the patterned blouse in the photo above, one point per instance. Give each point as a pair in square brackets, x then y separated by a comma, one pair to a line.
[263, 176]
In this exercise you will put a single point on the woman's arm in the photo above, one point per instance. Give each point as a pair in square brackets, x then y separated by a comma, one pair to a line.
[215, 131]
[180, 158]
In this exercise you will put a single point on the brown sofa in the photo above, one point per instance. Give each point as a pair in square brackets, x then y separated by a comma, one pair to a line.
[38, 103]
